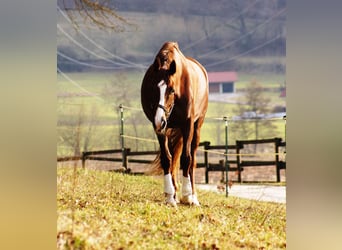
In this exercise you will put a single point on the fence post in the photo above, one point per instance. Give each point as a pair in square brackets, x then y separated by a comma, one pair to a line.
[83, 159]
[206, 161]
[124, 155]
[284, 118]
[238, 147]
[226, 152]
[276, 144]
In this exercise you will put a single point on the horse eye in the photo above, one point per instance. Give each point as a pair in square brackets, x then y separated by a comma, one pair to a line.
[172, 90]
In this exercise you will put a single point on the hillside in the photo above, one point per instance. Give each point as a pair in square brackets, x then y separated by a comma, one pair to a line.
[236, 35]
[219, 35]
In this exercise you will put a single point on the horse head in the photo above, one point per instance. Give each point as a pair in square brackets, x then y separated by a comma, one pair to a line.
[165, 104]
[164, 67]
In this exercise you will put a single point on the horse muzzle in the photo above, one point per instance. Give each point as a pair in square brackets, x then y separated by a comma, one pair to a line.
[160, 126]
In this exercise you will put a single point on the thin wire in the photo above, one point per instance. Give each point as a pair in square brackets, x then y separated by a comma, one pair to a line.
[79, 86]
[244, 53]
[138, 138]
[85, 90]
[86, 49]
[205, 150]
[219, 27]
[240, 38]
[86, 64]
[131, 108]
[229, 118]
[100, 47]
[243, 120]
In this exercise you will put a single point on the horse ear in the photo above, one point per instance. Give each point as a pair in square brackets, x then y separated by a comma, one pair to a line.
[172, 68]
[156, 64]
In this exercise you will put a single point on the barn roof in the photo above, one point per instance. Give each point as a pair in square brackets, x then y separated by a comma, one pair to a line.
[225, 76]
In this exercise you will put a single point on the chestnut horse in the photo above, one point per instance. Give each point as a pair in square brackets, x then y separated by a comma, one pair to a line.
[174, 97]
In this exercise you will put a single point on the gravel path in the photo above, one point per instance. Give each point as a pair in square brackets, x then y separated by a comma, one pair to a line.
[255, 192]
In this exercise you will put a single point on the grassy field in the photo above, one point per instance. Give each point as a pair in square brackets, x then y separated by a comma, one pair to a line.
[104, 210]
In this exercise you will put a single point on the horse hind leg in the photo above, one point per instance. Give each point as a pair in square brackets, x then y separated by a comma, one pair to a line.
[175, 184]
[177, 150]
[194, 146]
[189, 195]
[186, 162]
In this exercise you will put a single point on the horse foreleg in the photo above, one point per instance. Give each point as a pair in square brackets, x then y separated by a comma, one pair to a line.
[186, 161]
[187, 197]
[169, 190]
[165, 158]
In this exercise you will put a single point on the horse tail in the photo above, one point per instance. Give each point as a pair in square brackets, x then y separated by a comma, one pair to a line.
[175, 144]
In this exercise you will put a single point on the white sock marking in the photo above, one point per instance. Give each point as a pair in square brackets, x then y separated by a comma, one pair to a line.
[168, 186]
[186, 188]
[195, 200]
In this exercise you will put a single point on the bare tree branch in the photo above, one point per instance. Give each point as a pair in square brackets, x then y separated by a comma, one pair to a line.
[99, 13]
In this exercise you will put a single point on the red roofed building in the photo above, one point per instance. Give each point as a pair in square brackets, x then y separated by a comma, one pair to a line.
[222, 82]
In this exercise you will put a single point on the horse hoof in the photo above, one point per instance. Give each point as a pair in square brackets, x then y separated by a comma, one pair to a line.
[190, 200]
[195, 201]
[170, 201]
[187, 200]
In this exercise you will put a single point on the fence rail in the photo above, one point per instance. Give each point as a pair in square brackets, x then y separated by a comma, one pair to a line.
[69, 158]
[125, 156]
[223, 165]
[277, 162]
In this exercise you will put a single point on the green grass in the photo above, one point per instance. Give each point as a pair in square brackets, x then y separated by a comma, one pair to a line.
[104, 210]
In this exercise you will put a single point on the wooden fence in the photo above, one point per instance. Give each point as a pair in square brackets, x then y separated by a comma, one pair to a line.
[125, 156]
[238, 161]
[276, 162]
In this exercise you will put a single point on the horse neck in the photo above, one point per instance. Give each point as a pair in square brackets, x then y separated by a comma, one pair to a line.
[180, 63]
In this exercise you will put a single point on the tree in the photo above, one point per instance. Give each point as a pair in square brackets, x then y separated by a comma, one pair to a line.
[78, 133]
[253, 105]
[102, 14]
[122, 91]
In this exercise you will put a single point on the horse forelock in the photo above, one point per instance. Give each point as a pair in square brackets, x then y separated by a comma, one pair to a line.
[184, 67]
[170, 48]
[170, 44]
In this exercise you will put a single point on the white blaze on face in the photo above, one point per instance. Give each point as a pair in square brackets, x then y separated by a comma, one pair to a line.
[160, 112]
